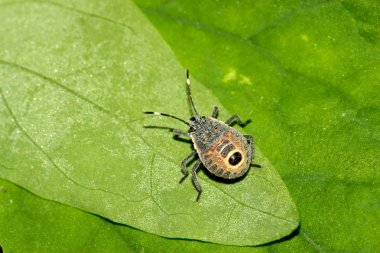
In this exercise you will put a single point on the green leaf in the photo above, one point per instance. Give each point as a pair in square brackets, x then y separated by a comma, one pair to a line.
[307, 73]
[32, 224]
[75, 78]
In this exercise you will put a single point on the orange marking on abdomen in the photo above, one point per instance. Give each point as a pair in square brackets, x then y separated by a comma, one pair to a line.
[218, 142]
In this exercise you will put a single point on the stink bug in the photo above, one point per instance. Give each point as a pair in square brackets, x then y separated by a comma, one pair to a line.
[220, 148]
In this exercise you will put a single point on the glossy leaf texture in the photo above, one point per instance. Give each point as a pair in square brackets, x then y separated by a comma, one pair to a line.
[75, 79]
[32, 224]
[307, 74]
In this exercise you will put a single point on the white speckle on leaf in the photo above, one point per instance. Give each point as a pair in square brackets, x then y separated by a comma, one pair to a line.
[244, 79]
[304, 37]
[230, 75]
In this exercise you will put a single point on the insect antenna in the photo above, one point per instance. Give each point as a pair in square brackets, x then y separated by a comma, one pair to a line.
[168, 115]
[189, 93]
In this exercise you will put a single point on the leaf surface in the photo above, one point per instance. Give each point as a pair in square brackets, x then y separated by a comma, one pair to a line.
[75, 79]
[32, 224]
[307, 74]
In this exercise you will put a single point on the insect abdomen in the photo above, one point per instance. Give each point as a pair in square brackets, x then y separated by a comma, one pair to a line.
[228, 157]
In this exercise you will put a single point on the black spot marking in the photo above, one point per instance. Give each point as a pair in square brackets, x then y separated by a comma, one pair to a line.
[221, 145]
[227, 150]
[235, 158]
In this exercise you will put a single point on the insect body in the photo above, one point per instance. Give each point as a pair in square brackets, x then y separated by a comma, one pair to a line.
[223, 150]
[220, 148]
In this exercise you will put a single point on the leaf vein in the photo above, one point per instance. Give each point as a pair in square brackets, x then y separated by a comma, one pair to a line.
[251, 207]
[312, 242]
[50, 159]
[72, 9]
[152, 195]
[60, 85]
[6, 167]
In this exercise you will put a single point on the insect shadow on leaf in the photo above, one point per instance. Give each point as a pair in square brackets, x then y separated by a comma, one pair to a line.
[220, 148]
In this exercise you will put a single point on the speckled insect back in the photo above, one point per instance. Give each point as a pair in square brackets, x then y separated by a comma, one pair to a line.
[220, 148]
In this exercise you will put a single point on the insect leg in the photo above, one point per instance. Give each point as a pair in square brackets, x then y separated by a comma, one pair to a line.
[194, 171]
[237, 118]
[183, 165]
[215, 112]
[251, 143]
[179, 133]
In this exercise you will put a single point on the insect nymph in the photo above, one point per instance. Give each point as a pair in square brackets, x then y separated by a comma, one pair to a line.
[220, 148]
